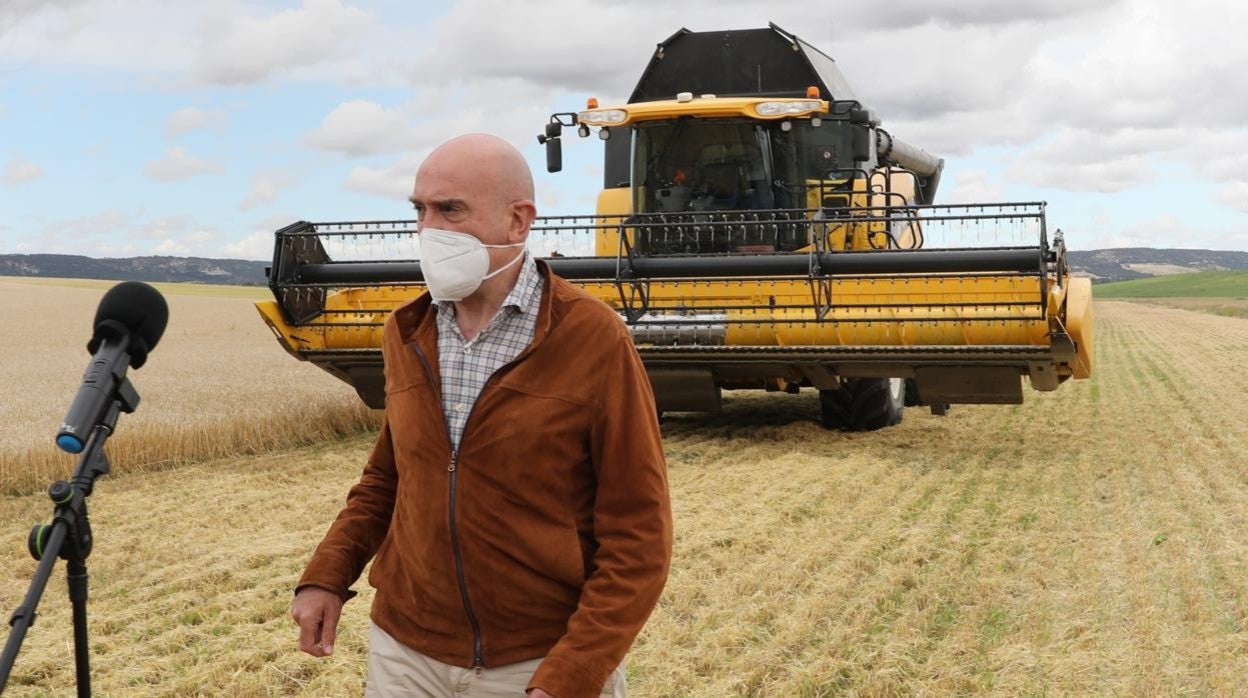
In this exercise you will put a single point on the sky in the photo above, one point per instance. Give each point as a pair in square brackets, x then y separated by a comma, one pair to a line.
[137, 127]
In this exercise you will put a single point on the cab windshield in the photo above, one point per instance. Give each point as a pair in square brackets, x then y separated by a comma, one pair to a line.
[734, 165]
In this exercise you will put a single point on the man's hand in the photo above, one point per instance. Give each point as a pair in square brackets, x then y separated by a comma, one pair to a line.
[316, 611]
[539, 693]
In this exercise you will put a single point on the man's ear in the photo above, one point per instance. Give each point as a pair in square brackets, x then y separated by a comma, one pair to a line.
[523, 213]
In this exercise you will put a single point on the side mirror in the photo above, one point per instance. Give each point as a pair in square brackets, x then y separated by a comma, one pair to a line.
[554, 147]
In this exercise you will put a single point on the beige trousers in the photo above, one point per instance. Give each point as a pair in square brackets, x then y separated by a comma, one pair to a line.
[395, 670]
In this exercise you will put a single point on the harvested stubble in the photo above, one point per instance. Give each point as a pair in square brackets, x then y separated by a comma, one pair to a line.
[218, 384]
[1227, 307]
[1092, 541]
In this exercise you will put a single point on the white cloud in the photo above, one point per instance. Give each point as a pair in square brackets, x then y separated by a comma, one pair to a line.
[172, 248]
[361, 127]
[14, 12]
[179, 164]
[265, 187]
[190, 243]
[257, 245]
[392, 182]
[1235, 195]
[228, 42]
[1168, 230]
[550, 196]
[191, 118]
[1153, 64]
[148, 36]
[971, 187]
[79, 227]
[21, 171]
[1218, 154]
[983, 13]
[506, 107]
[182, 228]
[247, 49]
[1106, 176]
[1165, 230]
[1082, 160]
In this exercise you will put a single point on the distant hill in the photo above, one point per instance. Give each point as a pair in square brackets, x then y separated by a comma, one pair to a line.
[1205, 284]
[1122, 263]
[1118, 264]
[168, 269]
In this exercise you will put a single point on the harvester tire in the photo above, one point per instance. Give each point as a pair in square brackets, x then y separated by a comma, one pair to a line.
[912, 393]
[863, 404]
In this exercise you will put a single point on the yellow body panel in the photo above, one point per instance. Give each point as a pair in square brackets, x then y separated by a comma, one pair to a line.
[1080, 325]
[714, 108]
[613, 206]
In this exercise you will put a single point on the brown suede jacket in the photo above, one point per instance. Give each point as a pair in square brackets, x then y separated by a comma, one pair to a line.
[548, 534]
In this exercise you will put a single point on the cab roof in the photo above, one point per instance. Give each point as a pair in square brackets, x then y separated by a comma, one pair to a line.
[739, 63]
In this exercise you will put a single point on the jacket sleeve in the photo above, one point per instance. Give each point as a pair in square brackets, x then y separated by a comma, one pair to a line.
[633, 528]
[355, 535]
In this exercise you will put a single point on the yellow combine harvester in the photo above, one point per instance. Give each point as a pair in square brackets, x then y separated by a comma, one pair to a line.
[757, 229]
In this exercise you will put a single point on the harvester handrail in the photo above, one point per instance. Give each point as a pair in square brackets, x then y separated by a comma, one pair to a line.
[704, 247]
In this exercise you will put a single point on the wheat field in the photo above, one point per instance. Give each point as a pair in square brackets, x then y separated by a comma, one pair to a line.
[217, 384]
[1091, 541]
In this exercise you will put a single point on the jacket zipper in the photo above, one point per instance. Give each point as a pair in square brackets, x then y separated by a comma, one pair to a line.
[478, 651]
[478, 659]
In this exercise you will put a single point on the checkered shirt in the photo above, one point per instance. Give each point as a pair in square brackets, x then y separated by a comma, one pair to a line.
[467, 365]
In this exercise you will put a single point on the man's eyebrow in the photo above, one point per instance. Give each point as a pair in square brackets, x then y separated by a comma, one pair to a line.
[438, 202]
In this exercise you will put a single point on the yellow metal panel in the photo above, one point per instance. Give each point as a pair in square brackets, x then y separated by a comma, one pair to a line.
[613, 206]
[962, 318]
[892, 312]
[1080, 325]
[718, 107]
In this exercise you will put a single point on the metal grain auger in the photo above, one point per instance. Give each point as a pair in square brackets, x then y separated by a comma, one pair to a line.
[764, 234]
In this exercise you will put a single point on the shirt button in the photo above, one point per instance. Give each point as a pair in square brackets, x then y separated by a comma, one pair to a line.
[459, 407]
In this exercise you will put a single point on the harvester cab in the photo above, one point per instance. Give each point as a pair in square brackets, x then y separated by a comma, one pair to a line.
[757, 229]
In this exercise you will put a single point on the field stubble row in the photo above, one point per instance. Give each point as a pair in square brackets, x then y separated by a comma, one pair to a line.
[1091, 541]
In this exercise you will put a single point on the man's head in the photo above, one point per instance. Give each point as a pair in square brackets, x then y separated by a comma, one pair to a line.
[477, 184]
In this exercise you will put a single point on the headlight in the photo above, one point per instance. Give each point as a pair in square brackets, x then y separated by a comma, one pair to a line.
[789, 108]
[602, 117]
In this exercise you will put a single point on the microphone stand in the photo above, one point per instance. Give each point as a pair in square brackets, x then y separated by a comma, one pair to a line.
[69, 537]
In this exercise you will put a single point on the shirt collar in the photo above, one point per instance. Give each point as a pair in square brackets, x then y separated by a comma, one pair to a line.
[524, 295]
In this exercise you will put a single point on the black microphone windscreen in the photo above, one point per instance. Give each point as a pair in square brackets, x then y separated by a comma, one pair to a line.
[140, 309]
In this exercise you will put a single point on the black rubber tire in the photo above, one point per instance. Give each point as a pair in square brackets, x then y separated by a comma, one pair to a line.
[912, 393]
[863, 404]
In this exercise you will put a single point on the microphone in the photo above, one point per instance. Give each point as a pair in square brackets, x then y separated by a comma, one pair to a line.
[128, 323]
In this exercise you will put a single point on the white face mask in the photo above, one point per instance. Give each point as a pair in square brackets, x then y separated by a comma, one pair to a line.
[455, 264]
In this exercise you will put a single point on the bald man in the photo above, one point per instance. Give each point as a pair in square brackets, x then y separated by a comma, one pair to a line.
[515, 504]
